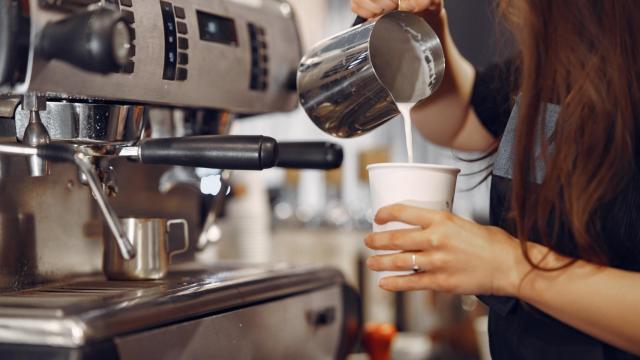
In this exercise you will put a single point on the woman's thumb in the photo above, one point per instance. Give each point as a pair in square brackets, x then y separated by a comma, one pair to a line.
[406, 5]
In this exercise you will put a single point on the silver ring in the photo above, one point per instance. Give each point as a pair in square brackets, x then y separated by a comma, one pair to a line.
[415, 267]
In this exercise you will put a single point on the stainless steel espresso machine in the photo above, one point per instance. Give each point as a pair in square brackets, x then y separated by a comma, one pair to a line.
[107, 110]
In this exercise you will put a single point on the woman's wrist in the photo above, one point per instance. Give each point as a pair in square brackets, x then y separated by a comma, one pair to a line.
[515, 272]
[520, 277]
[513, 268]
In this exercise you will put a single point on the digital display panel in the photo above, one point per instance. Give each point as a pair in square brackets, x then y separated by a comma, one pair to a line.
[215, 28]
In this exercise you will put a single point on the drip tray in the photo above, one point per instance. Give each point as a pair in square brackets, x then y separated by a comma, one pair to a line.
[90, 309]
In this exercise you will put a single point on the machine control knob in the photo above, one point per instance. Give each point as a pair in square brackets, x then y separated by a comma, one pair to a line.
[96, 40]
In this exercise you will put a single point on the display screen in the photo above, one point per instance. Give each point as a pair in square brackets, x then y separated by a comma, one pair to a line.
[216, 28]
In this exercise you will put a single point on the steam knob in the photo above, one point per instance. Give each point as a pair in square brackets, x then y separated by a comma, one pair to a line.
[96, 40]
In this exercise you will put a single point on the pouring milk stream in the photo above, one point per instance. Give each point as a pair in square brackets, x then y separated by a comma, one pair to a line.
[425, 81]
[405, 111]
[423, 185]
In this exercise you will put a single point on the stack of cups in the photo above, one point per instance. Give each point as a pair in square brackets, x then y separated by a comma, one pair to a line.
[250, 216]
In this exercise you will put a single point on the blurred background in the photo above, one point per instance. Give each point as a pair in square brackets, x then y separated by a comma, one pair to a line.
[316, 217]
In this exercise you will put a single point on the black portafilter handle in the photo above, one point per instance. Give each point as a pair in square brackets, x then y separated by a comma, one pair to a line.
[95, 40]
[212, 151]
[223, 152]
[57, 152]
[310, 155]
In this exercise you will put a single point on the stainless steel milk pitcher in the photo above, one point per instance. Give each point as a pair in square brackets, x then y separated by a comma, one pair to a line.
[350, 83]
[150, 237]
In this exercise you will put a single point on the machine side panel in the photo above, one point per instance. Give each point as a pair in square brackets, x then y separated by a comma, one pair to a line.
[274, 330]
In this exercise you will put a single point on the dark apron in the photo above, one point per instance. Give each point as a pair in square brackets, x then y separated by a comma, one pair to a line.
[518, 330]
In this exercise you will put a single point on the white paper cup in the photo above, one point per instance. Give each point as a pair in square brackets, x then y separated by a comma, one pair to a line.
[422, 185]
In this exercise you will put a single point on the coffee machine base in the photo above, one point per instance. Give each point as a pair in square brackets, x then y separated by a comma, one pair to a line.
[229, 311]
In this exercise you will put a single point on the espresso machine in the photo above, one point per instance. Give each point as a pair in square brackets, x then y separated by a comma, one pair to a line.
[108, 108]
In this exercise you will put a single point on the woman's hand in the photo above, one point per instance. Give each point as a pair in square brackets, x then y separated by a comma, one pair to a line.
[372, 8]
[454, 254]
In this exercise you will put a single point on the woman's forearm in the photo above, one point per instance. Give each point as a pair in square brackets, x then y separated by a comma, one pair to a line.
[447, 118]
[600, 301]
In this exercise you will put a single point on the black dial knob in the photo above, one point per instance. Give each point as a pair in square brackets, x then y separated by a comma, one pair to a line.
[97, 40]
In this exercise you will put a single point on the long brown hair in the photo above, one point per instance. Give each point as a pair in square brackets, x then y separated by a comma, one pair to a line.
[583, 55]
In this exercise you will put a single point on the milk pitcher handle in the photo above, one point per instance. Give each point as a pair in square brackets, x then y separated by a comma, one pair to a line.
[359, 20]
[185, 227]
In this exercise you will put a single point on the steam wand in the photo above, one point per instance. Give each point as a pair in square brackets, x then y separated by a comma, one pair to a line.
[36, 133]
[124, 244]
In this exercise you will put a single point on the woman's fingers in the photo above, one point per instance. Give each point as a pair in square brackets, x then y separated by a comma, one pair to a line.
[373, 8]
[419, 281]
[410, 215]
[406, 5]
[422, 281]
[393, 262]
[419, 5]
[406, 240]
[404, 261]
[361, 11]
[388, 5]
